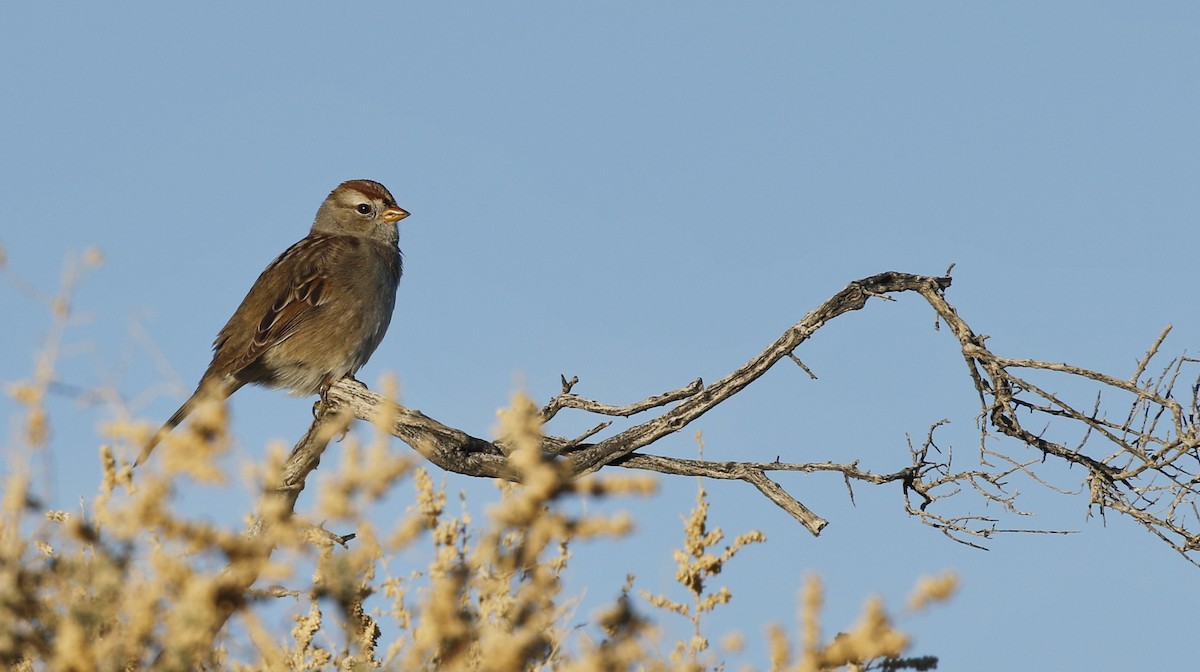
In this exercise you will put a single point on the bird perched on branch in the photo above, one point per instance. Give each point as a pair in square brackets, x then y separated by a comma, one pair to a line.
[318, 311]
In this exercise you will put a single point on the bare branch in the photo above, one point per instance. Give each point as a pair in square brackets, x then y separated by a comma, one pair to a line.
[568, 400]
[853, 297]
[1146, 468]
[1141, 367]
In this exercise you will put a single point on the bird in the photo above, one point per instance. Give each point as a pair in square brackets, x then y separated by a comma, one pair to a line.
[317, 312]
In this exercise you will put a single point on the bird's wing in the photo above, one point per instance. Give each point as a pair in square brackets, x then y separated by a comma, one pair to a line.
[285, 296]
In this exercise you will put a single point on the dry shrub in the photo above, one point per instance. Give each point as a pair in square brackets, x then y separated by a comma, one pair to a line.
[133, 581]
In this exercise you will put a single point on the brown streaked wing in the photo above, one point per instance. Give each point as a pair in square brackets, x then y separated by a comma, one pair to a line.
[304, 265]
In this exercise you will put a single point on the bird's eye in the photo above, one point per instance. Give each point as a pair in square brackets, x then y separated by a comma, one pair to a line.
[363, 209]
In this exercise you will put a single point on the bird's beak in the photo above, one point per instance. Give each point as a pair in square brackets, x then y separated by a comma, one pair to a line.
[394, 214]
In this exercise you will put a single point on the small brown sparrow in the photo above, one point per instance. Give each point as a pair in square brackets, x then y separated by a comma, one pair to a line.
[318, 311]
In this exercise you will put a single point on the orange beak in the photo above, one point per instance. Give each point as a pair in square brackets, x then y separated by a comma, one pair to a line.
[394, 214]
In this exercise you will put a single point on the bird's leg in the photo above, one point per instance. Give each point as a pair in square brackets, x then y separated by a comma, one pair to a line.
[321, 407]
[322, 404]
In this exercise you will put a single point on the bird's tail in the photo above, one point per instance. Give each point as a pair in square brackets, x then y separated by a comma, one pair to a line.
[206, 390]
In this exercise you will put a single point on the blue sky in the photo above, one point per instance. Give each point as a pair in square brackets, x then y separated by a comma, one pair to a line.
[641, 194]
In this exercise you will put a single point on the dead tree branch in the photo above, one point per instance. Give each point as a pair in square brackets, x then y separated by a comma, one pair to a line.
[1146, 471]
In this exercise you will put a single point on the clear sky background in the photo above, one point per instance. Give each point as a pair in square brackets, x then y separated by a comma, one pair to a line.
[641, 194]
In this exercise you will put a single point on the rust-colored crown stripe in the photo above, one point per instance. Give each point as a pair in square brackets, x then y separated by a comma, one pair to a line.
[367, 188]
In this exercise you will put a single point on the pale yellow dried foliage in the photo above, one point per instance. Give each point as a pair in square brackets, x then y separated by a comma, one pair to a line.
[304, 655]
[431, 501]
[932, 590]
[642, 485]
[494, 600]
[812, 602]
[871, 639]
[695, 564]
[272, 655]
[37, 426]
[93, 256]
[369, 472]
[778, 647]
[194, 450]
[58, 516]
[385, 414]
[16, 494]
